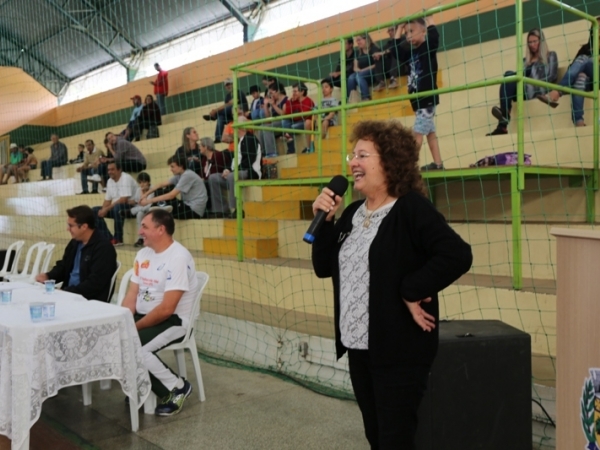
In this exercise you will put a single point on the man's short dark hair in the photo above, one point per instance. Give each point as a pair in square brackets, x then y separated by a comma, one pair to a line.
[419, 21]
[90, 141]
[83, 215]
[143, 177]
[160, 217]
[116, 164]
[328, 81]
[301, 87]
[350, 41]
[254, 88]
[80, 145]
[178, 160]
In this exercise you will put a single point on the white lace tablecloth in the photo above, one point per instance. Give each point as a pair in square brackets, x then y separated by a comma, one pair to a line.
[87, 341]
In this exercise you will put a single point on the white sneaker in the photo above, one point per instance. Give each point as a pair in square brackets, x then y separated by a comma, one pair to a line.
[95, 178]
[167, 208]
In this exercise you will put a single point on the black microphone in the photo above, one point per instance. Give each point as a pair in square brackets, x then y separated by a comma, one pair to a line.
[338, 185]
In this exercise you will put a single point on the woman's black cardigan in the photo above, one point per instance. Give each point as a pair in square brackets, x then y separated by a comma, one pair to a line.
[414, 255]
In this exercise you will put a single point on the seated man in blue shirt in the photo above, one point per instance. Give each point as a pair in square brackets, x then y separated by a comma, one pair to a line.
[89, 261]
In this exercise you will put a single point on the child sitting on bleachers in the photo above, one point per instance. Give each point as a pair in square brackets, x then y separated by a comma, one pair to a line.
[256, 107]
[328, 101]
[29, 162]
[138, 211]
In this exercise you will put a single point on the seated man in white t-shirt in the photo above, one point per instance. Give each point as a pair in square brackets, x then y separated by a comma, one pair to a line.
[161, 296]
[187, 183]
[119, 189]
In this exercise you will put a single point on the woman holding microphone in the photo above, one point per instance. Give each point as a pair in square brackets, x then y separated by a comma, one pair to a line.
[388, 256]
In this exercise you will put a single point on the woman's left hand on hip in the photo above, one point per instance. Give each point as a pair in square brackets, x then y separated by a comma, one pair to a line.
[425, 320]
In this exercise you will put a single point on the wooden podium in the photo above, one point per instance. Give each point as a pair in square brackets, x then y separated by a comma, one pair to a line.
[577, 338]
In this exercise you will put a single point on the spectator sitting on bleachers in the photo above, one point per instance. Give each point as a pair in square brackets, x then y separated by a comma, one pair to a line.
[364, 67]
[29, 162]
[80, 155]
[161, 88]
[190, 151]
[274, 106]
[256, 107]
[249, 160]
[150, 118]
[129, 157]
[224, 113]
[58, 157]
[9, 169]
[227, 137]
[138, 211]
[269, 81]
[579, 75]
[539, 64]
[300, 102]
[336, 75]
[119, 190]
[132, 130]
[423, 36]
[386, 65]
[90, 167]
[193, 192]
[328, 101]
[213, 160]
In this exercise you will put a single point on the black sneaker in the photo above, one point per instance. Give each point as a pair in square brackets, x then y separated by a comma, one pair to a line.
[498, 131]
[82, 193]
[233, 214]
[497, 113]
[433, 166]
[139, 243]
[173, 402]
[217, 141]
[207, 117]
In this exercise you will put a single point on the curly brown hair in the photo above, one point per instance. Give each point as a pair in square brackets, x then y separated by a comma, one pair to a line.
[398, 151]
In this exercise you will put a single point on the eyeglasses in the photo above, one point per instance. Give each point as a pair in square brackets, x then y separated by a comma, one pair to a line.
[359, 156]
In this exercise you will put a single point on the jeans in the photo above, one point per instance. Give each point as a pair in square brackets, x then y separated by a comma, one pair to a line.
[113, 213]
[47, 166]
[294, 126]
[216, 184]
[132, 165]
[84, 179]
[268, 137]
[508, 94]
[223, 118]
[162, 107]
[183, 211]
[578, 67]
[388, 396]
[362, 80]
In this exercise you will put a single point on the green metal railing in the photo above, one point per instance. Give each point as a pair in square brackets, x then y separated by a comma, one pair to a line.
[516, 173]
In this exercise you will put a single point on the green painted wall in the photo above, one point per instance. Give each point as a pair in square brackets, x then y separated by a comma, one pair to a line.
[463, 32]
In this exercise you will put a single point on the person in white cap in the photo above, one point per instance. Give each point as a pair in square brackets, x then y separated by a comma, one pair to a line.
[224, 113]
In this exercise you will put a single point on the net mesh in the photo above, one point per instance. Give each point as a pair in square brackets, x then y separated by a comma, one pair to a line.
[269, 311]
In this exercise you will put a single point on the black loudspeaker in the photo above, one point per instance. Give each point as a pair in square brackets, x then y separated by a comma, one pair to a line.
[479, 392]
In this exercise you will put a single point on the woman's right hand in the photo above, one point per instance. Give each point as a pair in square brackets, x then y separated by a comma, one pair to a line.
[327, 201]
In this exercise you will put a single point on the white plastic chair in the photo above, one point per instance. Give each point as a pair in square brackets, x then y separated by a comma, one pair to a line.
[112, 282]
[15, 247]
[189, 340]
[27, 274]
[46, 263]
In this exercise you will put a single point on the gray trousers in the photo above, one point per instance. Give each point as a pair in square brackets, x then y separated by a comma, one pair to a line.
[267, 138]
[216, 183]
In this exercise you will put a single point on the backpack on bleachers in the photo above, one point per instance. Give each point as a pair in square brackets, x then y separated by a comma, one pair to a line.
[502, 159]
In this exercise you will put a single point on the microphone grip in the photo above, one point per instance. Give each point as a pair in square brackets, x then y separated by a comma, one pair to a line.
[309, 236]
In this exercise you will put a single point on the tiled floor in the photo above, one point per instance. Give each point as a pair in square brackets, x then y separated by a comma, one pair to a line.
[243, 410]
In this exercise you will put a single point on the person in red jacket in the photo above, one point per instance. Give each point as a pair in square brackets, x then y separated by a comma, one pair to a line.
[161, 88]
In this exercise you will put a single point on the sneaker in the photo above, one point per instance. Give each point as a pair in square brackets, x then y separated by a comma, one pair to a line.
[167, 208]
[546, 98]
[380, 86]
[498, 131]
[233, 214]
[116, 242]
[95, 178]
[82, 193]
[393, 83]
[207, 117]
[138, 243]
[217, 141]
[94, 192]
[306, 150]
[173, 402]
[433, 166]
[103, 189]
[497, 113]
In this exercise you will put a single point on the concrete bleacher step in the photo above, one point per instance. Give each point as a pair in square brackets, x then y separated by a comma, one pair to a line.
[254, 248]
[253, 228]
[278, 193]
[311, 172]
[279, 210]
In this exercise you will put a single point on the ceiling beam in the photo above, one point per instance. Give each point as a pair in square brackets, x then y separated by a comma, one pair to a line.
[250, 26]
[77, 25]
[130, 41]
